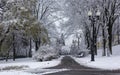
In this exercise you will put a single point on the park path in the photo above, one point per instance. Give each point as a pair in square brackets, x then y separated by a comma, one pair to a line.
[76, 69]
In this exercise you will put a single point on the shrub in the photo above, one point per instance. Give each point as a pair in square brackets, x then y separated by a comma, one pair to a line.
[45, 53]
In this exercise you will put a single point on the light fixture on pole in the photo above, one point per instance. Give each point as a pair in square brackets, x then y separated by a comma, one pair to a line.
[90, 14]
[98, 14]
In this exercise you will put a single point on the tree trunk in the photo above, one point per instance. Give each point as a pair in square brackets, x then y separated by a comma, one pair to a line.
[110, 39]
[7, 55]
[30, 50]
[118, 37]
[14, 50]
[78, 44]
[118, 30]
[104, 42]
[39, 42]
[87, 39]
[88, 42]
[36, 45]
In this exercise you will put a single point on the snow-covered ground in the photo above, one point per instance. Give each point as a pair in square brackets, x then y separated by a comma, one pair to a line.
[15, 73]
[106, 63]
[27, 66]
[22, 72]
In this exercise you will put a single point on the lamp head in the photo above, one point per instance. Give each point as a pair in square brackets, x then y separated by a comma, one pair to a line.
[90, 13]
[98, 13]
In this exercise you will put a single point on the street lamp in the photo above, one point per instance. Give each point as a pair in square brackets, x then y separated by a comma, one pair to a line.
[93, 17]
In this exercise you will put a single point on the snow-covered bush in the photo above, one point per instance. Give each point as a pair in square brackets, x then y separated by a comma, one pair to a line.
[65, 50]
[45, 53]
[83, 53]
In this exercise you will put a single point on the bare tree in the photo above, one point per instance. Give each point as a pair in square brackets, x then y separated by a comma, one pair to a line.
[110, 8]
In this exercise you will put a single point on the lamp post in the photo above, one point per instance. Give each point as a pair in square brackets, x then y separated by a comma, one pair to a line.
[93, 17]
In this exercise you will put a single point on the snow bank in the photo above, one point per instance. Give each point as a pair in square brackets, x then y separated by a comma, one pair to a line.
[54, 71]
[30, 63]
[106, 63]
[41, 72]
[46, 71]
[32, 66]
[15, 73]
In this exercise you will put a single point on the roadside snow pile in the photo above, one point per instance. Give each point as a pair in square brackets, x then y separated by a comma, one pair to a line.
[106, 63]
[28, 63]
[45, 53]
[26, 66]
[54, 71]
[83, 53]
[46, 71]
[15, 73]
[37, 72]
